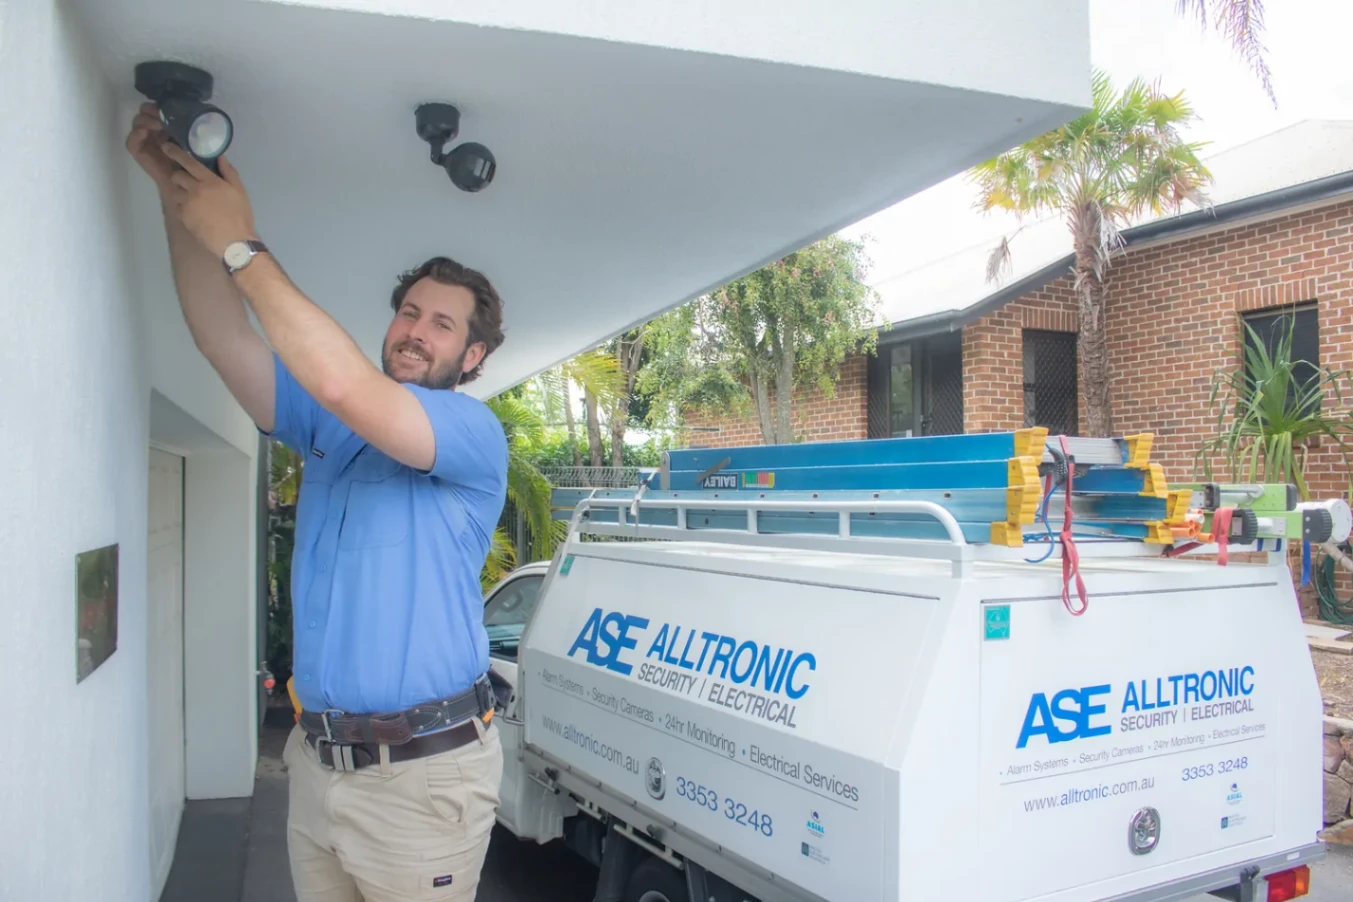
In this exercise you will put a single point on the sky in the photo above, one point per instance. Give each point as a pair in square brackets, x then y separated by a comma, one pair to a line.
[1309, 48]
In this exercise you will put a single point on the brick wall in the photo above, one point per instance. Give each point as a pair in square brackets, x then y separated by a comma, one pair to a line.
[1172, 322]
[816, 417]
[993, 356]
[1172, 315]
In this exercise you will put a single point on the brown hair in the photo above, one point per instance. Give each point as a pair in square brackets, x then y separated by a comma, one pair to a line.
[486, 323]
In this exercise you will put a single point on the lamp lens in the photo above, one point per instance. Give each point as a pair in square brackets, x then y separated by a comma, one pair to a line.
[209, 134]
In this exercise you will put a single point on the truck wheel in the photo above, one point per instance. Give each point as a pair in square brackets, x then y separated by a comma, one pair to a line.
[656, 881]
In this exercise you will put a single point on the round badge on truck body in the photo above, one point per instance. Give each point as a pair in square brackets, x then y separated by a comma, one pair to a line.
[655, 779]
[1144, 831]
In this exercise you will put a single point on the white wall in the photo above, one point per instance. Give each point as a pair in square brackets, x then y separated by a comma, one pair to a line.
[76, 375]
[73, 788]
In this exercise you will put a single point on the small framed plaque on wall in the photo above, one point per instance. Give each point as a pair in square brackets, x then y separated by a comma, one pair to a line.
[96, 608]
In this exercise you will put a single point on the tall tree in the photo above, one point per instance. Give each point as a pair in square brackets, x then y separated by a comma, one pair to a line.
[597, 372]
[1241, 21]
[752, 342]
[1117, 161]
[594, 446]
[629, 351]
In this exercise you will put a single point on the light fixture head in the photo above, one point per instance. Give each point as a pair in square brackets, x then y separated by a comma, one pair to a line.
[181, 92]
[470, 166]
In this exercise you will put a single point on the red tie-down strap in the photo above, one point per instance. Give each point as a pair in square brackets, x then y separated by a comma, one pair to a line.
[1221, 534]
[1221, 531]
[1071, 561]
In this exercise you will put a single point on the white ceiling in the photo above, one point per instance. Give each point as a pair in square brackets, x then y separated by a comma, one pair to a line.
[631, 177]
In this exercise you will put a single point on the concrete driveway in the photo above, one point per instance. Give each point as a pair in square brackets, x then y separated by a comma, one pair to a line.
[524, 872]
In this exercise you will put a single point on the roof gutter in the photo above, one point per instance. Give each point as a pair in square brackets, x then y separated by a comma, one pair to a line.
[1327, 188]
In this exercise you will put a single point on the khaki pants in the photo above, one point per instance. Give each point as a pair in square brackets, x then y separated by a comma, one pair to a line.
[412, 830]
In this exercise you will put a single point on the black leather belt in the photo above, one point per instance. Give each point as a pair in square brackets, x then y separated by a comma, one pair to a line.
[342, 756]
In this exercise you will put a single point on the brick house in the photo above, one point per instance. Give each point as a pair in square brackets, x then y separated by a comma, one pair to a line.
[978, 357]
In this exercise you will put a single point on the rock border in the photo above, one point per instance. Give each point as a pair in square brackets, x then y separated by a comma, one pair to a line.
[1337, 759]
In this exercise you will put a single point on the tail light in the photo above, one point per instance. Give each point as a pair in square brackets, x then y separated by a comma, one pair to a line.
[1286, 885]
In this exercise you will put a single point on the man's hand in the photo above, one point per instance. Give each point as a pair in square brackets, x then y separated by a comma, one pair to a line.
[145, 143]
[214, 208]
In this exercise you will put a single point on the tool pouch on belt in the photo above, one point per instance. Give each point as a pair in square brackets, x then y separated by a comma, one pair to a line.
[399, 727]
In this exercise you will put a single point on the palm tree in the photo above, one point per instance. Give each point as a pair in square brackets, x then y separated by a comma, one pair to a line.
[603, 380]
[1119, 160]
[1240, 21]
[527, 489]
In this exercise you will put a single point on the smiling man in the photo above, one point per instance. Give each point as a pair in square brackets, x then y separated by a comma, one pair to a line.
[394, 767]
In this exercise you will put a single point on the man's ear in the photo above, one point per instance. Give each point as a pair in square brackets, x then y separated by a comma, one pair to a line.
[474, 355]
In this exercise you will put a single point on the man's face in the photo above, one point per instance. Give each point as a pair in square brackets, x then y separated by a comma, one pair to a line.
[426, 341]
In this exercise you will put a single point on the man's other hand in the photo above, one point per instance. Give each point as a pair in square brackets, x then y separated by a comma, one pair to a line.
[214, 208]
[145, 143]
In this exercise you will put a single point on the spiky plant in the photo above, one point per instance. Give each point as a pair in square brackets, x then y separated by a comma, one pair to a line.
[1267, 416]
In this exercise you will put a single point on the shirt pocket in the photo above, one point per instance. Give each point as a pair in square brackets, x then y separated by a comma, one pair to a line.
[379, 504]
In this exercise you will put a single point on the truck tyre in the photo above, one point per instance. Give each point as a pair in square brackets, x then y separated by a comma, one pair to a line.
[656, 881]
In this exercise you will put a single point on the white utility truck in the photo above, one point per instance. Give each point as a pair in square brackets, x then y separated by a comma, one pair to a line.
[990, 667]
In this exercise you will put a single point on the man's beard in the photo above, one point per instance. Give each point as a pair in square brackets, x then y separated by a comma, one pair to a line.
[437, 378]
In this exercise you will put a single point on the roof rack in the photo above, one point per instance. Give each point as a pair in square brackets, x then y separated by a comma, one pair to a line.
[1004, 489]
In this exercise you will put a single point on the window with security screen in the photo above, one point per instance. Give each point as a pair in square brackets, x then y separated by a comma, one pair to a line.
[1051, 386]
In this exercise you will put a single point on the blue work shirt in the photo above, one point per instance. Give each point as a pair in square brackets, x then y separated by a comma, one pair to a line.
[387, 609]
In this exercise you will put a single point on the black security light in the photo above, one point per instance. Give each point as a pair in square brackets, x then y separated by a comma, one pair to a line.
[181, 92]
[471, 166]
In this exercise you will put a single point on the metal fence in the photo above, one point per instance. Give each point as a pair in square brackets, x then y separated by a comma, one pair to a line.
[1051, 381]
[592, 477]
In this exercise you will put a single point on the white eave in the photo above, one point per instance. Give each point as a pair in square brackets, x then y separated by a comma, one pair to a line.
[647, 151]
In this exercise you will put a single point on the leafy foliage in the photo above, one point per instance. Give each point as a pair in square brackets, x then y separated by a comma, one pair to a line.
[527, 488]
[1120, 160]
[501, 560]
[1267, 416]
[753, 341]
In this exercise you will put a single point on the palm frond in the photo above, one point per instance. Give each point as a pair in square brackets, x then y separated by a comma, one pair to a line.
[501, 560]
[1241, 21]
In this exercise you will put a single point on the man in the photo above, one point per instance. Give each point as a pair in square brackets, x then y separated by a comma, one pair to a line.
[404, 481]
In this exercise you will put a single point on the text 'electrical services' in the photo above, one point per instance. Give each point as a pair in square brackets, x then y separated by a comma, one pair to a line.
[1144, 704]
[606, 638]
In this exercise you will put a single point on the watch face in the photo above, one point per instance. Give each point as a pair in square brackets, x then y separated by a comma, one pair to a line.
[237, 254]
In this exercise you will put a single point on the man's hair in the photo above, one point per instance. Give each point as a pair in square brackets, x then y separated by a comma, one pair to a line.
[486, 322]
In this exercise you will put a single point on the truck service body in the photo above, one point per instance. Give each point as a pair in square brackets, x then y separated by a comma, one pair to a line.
[816, 694]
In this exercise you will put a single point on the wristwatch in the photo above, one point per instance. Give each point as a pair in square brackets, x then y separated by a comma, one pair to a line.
[238, 254]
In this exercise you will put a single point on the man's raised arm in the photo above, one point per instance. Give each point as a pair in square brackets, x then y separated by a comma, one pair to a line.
[212, 305]
[314, 348]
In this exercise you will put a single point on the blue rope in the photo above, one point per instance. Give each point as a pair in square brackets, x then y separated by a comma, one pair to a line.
[1043, 515]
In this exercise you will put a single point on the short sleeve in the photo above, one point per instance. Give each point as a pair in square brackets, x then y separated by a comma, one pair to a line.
[295, 411]
[471, 447]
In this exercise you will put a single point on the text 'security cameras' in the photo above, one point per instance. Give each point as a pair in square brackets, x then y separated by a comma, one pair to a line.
[471, 166]
[181, 92]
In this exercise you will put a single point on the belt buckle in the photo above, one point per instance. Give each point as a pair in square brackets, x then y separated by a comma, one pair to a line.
[324, 719]
[339, 753]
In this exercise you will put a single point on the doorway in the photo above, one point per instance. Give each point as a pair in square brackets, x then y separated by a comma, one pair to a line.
[164, 659]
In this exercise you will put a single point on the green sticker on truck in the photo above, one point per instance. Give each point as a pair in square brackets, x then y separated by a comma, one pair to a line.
[997, 624]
